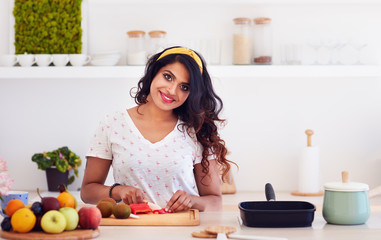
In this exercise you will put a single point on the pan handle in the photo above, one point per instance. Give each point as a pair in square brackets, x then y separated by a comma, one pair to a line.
[269, 191]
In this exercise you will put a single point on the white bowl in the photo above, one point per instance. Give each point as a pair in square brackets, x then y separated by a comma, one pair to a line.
[106, 54]
[105, 61]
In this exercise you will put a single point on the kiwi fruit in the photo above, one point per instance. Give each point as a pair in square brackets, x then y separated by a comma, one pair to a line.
[121, 211]
[111, 200]
[106, 208]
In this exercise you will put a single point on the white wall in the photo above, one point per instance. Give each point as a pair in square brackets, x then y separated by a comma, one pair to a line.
[266, 117]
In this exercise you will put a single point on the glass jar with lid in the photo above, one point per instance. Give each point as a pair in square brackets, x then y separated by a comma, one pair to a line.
[136, 50]
[262, 35]
[157, 41]
[242, 41]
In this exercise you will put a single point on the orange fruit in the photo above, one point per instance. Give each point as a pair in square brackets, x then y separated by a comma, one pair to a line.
[66, 200]
[12, 206]
[23, 220]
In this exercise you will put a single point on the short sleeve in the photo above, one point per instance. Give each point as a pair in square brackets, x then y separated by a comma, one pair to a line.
[198, 148]
[198, 155]
[100, 146]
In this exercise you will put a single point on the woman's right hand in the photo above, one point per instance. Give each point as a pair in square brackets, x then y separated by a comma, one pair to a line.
[129, 194]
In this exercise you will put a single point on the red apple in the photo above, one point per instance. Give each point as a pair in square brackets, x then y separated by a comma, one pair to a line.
[89, 217]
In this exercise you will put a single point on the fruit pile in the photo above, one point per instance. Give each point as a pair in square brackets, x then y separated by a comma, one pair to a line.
[51, 215]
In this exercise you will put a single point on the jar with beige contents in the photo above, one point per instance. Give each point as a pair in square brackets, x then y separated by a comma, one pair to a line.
[262, 33]
[242, 41]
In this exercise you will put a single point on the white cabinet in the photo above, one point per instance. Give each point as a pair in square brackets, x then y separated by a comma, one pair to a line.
[189, 22]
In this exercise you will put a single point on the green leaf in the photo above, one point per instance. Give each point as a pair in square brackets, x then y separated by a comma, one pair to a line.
[70, 180]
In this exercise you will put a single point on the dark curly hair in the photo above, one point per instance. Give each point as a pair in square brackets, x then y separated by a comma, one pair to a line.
[199, 112]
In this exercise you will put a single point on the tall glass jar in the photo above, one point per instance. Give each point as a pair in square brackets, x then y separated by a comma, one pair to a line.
[157, 42]
[242, 41]
[136, 50]
[263, 44]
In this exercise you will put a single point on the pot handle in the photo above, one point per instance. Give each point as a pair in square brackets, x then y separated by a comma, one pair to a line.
[344, 176]
[269, 191]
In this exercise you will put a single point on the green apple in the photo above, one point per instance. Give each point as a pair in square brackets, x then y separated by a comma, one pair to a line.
[53, 222]
[71, 216]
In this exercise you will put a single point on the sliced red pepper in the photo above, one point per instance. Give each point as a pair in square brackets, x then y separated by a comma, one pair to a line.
[137, 208]
[160, 211]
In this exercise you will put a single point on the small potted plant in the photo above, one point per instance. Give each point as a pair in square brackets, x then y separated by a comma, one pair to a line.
[57, 165]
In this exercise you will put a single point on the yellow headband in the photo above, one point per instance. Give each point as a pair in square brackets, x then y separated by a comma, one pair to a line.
[181, 50]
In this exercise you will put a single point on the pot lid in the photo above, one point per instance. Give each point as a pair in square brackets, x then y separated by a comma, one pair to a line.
[345, 185]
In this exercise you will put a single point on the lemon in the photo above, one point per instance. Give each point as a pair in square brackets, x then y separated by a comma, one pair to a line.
[23, 220]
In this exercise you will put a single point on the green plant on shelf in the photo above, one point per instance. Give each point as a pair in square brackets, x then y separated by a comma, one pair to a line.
[62, 158]
[48, 26]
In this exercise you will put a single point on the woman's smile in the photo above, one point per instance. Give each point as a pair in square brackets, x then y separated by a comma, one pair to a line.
[166, 98]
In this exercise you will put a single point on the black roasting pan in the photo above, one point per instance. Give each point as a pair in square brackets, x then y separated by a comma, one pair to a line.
[276, 214]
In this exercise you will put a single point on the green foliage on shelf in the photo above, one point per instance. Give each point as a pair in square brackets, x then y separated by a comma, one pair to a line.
[62, 158]
[48, 26]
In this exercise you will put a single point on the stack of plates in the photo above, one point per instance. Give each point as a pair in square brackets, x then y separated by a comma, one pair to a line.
[109, 58]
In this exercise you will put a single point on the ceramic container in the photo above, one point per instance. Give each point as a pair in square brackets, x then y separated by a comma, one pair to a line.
[44, 60]
[23, 196]
[8, 60]
[60, 60]
[26, 60]
[346, 203]
[78, 60]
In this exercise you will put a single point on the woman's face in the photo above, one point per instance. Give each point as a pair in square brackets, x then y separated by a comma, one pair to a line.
[170, 87]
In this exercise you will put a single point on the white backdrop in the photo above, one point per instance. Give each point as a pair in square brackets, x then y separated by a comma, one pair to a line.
[266, 117]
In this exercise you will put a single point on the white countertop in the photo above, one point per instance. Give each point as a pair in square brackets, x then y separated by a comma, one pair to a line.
[230, 216]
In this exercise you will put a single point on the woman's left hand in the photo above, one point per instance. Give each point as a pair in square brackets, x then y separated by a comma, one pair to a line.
[180, 201]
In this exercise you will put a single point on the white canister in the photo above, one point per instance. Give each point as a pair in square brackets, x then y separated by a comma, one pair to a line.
[136, 50]
[157, 42]
[242, 41]
[263, 44]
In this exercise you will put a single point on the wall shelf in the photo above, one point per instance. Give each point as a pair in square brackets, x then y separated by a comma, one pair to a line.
[220, 71]
[235, 2]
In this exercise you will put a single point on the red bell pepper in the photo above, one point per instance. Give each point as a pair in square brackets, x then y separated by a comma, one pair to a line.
[137, 208]
[160, 211]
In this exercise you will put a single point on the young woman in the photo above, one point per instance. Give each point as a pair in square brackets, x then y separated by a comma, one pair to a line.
[167, 149]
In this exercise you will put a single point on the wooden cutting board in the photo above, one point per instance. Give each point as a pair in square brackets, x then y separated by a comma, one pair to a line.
[188, 218]
[72, 235]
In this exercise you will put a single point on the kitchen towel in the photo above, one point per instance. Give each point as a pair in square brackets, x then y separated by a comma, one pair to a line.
[309, 173]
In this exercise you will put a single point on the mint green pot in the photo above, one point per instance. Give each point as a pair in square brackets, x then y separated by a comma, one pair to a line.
[346, 203]
[346, 207]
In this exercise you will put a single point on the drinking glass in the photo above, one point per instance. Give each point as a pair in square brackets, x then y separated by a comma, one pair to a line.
[359, 46]
[315, 44]
[340, 46]
[330, 45]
